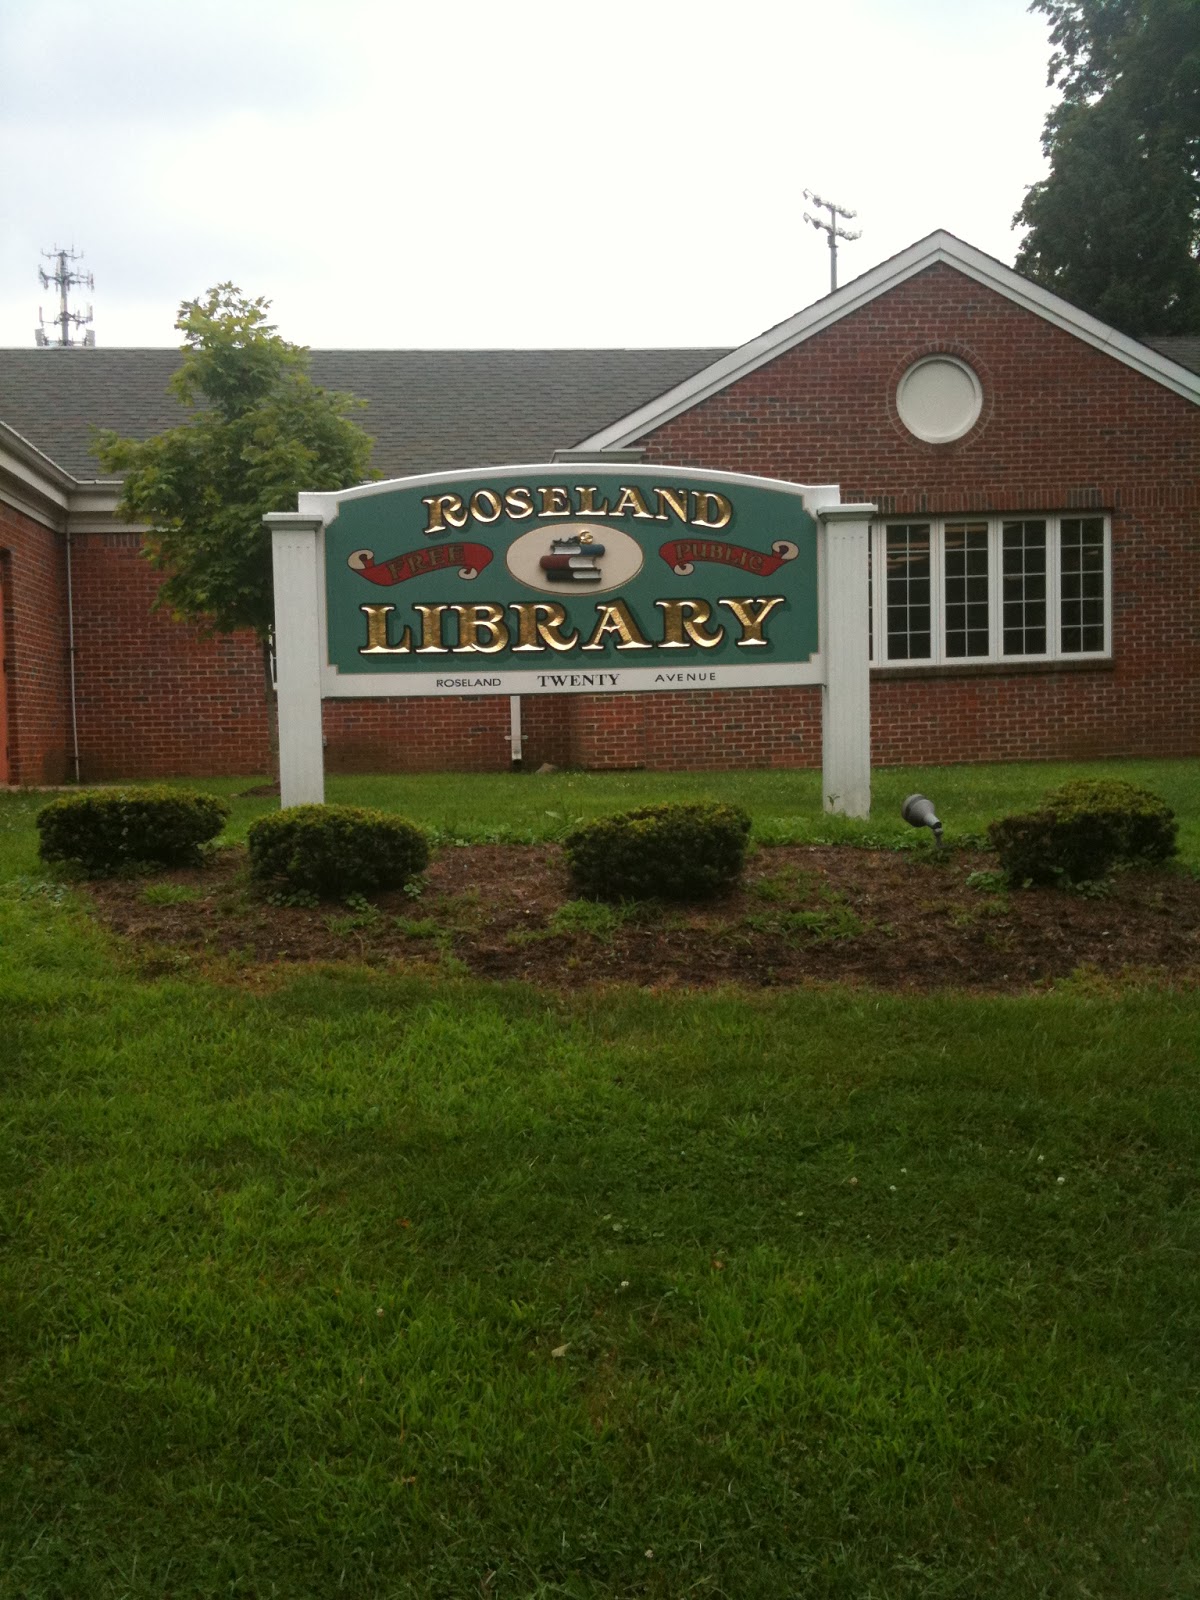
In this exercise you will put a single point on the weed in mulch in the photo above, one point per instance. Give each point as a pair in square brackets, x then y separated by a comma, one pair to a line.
[803, 915]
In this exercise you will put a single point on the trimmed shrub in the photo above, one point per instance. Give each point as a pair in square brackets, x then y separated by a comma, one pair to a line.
[1142, 826]
[1082, 830]
[334, 851]
[104, 830]
[688, 851]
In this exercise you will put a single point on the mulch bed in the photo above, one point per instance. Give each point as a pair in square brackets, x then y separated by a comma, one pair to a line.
[892, 920]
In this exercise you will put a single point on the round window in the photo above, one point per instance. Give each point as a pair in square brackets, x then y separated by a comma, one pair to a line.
[939, 399]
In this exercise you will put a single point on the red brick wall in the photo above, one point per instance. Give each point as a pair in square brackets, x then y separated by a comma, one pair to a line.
[458, 735]
[1062, 427]
[693, 729]
[1062, 424]
[156, 699]
[33, 594]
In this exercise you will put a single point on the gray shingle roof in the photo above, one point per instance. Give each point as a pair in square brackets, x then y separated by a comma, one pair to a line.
[428, 410]
[1181, 347]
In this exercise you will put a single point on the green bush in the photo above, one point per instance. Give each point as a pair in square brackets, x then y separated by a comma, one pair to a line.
[1141, 825]
[104, 830]
[1084, 829]
[334, 851]
[668, 852]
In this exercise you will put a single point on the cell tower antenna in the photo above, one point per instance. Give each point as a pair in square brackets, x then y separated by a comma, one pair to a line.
[831, 228]
[63, 279]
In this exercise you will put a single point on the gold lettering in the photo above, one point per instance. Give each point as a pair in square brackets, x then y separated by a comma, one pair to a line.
[377, 634]
[474, 620]
[431, 630]
[752, 622]
[703, 500]
[687, 616]
[587, 501]
[616, 618]
[541, 620]
[631, 497]
[677, 499]
[518, 503]
[443, 509]
[487, 497]
[556, 502]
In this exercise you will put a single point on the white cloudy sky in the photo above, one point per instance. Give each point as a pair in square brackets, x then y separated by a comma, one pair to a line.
[526, 174]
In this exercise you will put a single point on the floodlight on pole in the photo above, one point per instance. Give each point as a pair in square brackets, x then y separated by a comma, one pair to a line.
[831, 228]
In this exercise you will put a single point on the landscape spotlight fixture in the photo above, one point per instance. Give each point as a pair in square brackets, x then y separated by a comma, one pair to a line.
[919, 813]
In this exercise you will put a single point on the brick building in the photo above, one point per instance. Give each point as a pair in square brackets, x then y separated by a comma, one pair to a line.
[1035, 566]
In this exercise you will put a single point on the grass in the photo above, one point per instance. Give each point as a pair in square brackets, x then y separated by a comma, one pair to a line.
[830, 920]
[349, 1282]
[785, 805]
[169, 894]
[595, 917]
[819, 924]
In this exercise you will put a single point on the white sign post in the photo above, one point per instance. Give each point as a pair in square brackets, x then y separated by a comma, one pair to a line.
[845, 649]
[299, 601]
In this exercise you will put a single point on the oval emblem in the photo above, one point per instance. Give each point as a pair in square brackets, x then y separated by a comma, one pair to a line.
[571, 558]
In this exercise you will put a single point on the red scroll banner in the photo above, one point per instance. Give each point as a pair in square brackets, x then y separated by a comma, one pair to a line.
[682, 554]
[470, 559]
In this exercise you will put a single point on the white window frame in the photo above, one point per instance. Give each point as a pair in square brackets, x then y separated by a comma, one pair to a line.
[937, 588]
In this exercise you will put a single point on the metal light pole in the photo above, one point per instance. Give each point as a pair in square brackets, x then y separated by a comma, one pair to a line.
[831, 228]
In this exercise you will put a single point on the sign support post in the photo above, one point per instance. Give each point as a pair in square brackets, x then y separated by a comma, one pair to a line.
[299, 596]
[846, 696]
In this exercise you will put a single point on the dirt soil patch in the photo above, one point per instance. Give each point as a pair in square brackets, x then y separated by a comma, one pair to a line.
[804, 914]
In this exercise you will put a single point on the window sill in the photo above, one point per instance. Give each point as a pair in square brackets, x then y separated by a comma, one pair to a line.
[995, 669]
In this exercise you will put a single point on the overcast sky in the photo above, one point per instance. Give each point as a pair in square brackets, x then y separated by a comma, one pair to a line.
[467, 175]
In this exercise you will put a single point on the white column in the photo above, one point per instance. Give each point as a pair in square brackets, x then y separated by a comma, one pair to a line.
[846, 697]
[295, 557]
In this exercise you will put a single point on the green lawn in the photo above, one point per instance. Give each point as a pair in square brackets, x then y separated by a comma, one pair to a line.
[336, 1282]
[786, 806]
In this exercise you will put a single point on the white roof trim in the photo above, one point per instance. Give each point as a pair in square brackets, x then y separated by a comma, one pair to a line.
[936, 247]
[34, 465]
[39, 487]
[20, 449]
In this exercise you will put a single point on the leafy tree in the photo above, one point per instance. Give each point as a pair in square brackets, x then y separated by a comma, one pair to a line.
[1115, 226]
[260, 432]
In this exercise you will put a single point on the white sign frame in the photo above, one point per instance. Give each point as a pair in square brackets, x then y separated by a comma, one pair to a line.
[305, 676]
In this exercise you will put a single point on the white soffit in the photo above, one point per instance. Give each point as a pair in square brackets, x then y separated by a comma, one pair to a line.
[23, 459]
[940, 247]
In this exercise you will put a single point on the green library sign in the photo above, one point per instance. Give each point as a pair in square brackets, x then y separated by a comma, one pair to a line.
[553, 579]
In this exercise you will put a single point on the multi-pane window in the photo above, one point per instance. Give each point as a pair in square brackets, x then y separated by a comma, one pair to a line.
[990, 589]
[909, 583]
[1082, 584]
[967, 615]
[1023, 587]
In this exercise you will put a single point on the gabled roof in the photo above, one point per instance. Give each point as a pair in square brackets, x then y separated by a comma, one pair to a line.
[428, 410]
[437, 410]
[939, 247]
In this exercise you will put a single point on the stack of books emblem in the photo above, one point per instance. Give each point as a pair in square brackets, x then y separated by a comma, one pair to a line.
[573, 560]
